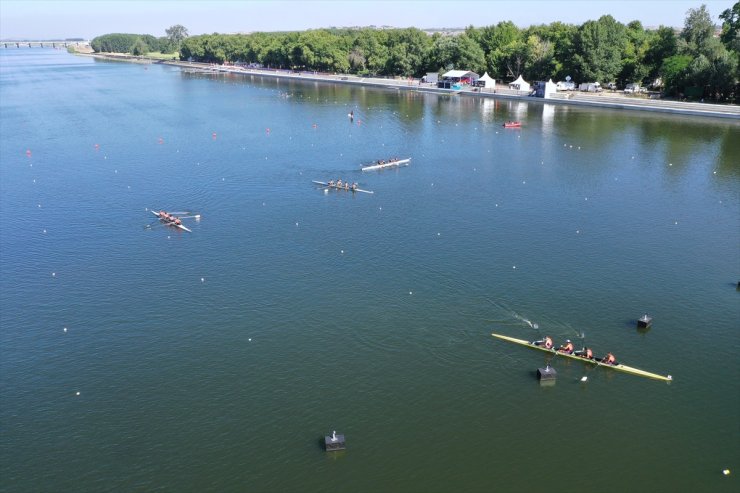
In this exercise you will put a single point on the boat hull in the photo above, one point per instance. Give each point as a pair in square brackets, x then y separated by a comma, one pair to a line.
[400, 162]
[617, 367]
[334, 187]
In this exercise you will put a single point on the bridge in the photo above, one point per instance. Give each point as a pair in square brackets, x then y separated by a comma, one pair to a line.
[42, 44]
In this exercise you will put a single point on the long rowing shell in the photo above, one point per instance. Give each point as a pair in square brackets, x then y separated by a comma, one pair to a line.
[341, 188]
[618, 367]
[400, 162]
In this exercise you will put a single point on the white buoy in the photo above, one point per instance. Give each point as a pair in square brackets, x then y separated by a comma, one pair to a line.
[250, 339]
[411, 292]
[513, 266]
[439, 234]
[296, 224]
[53, 274]
[726, 472]
[202, 279]
[584, 378]
[44, 231]
[77, 393]
[342, 252]
[65, 329]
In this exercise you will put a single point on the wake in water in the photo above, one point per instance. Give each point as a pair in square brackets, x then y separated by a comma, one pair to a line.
[511, 318]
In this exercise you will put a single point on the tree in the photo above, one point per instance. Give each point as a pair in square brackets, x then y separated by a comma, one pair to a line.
[731, 27]
[599, 49]
[176, 34]
[661, 45]
[458, 52]
[698, 28]
[139, 48]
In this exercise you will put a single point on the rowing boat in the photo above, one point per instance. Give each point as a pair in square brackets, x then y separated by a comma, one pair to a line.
[350, 189]
[171, 223]
[400, 162]
[618, 367]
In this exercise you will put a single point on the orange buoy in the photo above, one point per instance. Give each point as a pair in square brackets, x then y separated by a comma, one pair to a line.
[28, 152]
[213, 135]
[97, 146]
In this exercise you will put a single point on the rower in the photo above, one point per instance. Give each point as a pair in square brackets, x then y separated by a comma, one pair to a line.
[339, 183]
[609, 359]
[567, 348]
[546, 342]
[354, 186]
[585, 353]
[346, 185]
[331, 183]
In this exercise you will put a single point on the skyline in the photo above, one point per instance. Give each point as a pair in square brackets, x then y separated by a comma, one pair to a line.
[43, 19]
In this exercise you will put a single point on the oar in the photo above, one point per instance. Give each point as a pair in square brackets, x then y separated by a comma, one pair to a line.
[584, 378]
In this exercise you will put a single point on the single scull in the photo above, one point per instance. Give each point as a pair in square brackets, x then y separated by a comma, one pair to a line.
[594, 361]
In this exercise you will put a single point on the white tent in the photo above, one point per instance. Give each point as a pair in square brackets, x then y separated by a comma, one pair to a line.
[519, 84]
[549, 89]
[486, 81]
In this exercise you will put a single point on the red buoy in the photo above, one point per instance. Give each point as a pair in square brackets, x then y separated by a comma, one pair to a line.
[213, 135]
[28, 152]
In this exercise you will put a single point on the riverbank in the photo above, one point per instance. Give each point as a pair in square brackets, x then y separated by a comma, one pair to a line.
[604, 100]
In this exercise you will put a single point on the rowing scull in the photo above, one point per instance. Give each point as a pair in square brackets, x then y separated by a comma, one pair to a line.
[618, 367]
[171, 223]
[400, 162]
[350, 189]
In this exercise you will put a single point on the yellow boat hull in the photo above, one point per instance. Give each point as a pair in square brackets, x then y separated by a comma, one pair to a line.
[618, 367]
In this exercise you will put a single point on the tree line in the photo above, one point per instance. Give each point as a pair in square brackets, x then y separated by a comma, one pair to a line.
[690, 62]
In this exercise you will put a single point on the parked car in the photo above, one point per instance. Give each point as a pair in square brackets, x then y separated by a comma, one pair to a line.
[590, 87]
[633, 88]
[566, 86]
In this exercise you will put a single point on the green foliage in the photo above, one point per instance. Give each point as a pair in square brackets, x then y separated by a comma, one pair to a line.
[139, 47]
[603, 50]
[599, 49]
[731, 27]
[175, 35]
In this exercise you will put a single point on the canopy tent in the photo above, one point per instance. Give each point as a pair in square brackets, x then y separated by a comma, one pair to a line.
[545, 89]
[455, 78]
[486, 81]
[461, 76]
[519, 84]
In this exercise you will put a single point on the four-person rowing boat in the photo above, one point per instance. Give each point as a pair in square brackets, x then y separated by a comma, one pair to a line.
[386, 164]
[579, 357]
[342, 186]
[171, 220]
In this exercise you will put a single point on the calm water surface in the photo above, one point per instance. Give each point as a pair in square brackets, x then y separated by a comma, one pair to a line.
[217, 360]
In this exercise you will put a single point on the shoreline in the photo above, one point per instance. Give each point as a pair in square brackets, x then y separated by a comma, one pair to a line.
[601, 100]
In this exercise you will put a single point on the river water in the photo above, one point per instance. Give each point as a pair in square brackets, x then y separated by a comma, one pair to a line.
[146, 358]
